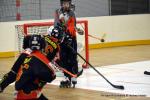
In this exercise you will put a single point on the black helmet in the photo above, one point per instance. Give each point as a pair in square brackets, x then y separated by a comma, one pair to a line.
[58, 33]
[36, 42]
[61, 1]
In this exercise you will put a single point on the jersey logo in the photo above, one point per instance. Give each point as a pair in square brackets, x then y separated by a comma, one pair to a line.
[51, 42]
[26, 66]
[27, 60]
[49, 48]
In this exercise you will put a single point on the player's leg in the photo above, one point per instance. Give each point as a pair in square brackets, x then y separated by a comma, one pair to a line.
[11, 76]
[63, 62]
[74, 61]
[7, 79]
[69, 62]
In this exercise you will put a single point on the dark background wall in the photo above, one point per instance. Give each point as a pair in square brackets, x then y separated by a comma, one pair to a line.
[44, 9]
[129, 7]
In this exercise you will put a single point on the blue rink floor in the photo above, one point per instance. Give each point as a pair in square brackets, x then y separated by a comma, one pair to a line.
[130, 75]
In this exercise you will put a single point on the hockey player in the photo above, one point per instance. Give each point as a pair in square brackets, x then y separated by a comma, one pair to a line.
[65, 17]
[11, 76]
[36, 70]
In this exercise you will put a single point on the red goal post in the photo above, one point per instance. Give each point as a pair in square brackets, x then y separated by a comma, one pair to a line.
[32, 28]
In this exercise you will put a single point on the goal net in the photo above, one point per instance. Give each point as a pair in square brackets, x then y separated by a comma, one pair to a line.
[42, 28]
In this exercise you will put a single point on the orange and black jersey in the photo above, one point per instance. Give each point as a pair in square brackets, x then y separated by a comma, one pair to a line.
[51, 47]
[33, 72]
[35, 67]
[69, 22]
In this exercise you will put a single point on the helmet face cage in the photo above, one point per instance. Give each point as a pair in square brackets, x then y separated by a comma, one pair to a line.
[57, 33]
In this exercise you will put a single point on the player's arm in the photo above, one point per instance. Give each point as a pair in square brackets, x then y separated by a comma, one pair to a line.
[78, 30]
[71, 24]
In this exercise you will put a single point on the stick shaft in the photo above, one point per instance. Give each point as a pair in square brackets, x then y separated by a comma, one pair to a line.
[115, 86]
[73, 75]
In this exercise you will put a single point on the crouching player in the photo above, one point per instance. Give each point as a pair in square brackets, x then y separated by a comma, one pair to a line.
[32, 70]
[36, 71]
[10, 77]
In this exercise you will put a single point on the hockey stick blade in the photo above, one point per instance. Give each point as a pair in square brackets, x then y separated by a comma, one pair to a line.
[118, 86]
[146, 73]
[115, 86]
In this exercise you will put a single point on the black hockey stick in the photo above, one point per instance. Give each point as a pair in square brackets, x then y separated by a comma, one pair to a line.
[115, 86]
[146, 73]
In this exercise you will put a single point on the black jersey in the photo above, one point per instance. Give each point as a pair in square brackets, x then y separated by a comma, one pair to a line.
[34, 73]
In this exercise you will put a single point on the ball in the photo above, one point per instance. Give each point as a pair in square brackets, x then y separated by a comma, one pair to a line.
[102, 40]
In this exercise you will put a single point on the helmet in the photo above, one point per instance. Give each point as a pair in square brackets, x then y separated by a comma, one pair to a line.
[57, 32]
[36, 42]
[61, 1]
[49, 31]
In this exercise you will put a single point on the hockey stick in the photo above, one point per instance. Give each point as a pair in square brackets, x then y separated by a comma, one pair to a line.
[66, 71]
[100, 39]
[115, 86]
[146, 73]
